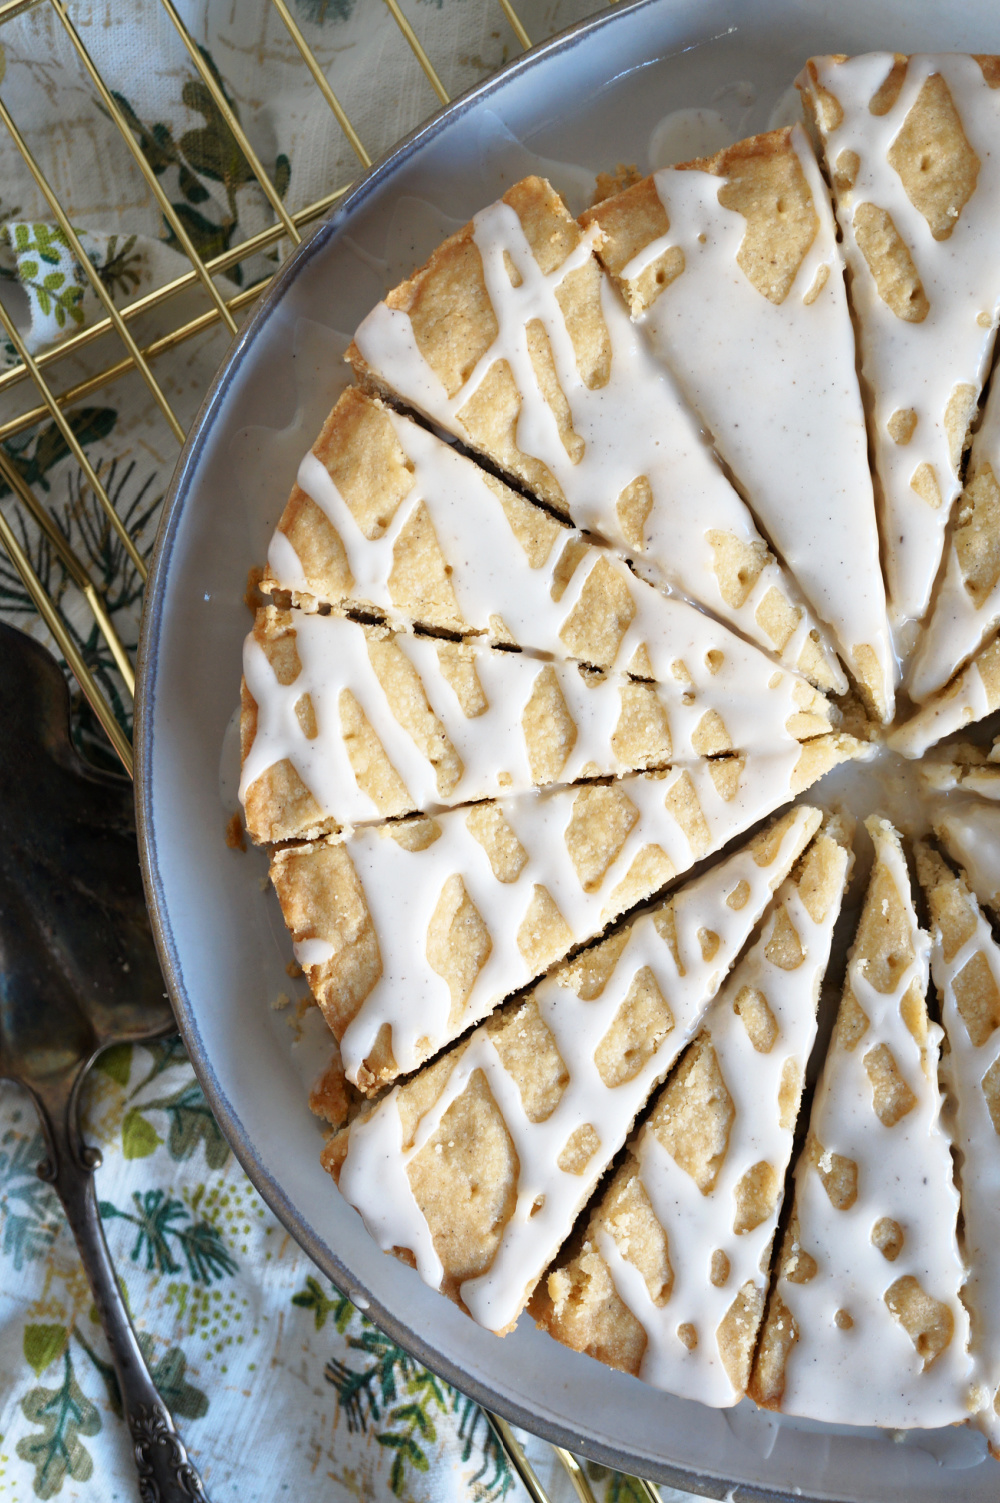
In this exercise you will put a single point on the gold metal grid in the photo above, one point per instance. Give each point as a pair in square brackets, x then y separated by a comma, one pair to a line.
[37, 370]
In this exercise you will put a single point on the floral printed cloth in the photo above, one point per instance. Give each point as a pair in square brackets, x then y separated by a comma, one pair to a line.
[279, 1385]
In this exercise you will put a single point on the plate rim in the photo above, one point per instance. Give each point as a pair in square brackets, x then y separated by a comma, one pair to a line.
[707, 1484]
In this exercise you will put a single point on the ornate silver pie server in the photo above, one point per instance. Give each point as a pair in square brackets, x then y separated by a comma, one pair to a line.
[78, 972]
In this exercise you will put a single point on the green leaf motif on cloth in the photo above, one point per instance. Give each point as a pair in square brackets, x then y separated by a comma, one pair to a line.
[34, 453]
[191, 1123]
[116, 1063]
[57, 285]
[30, 1209]
[313, 1298]
[139, 1137]
[319, 11]
[169, 1374]
[164, 1228]
[43, 1344]
[181, 1397]
[209, 152]
[368, 1397]
[121, 267]
[82, 520]
[63, 1415]
[56, 292]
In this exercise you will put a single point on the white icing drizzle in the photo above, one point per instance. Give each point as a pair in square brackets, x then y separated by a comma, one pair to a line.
[960, 767]
[374, 1170]
[282, 560]
[697, 1224]
[637, 424]
[907, 365]
[975, 1135]
[965, 700]
[737, 683]
[402, 889]
[312, 952]
[958, 624]
[490, 573]
[970, 833]
[796, 441]
[871, 1373]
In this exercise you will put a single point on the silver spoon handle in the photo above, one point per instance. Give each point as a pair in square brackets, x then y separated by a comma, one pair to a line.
[165, 1473]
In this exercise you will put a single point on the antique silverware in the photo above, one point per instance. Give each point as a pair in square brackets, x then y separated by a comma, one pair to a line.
[78, 972]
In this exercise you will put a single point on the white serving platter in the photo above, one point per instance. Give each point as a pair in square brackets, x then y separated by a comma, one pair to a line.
[592, 98]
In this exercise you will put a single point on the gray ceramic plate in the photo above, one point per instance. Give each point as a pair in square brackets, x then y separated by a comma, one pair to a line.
[592, 97]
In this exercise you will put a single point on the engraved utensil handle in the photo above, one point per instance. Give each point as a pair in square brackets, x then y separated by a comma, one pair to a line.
[165, 1473]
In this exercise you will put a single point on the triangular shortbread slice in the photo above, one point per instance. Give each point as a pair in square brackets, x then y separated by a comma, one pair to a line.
[513, 338]
[411, 931]
[387, 519]
[966, 608]
[731, 268]
[963, 766]
[343, 722]
[476, 1169]
[970, 833]
[864, 1324]
[972, 694]
[965, 965]
[671, 1277]
[913, 151]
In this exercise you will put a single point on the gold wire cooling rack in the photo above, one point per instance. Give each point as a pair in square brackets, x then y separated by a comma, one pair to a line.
[283, 235]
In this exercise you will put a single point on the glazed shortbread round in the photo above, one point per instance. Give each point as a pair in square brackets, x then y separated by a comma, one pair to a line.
[633, 528]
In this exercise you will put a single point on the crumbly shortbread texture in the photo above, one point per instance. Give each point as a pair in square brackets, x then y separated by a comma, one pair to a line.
[476, 1167]
[864, 1322]
[723, 261]
[910, 147]
[411, 931]
[344, 722]
[671, 1274]
[514, 339]
[965, 964]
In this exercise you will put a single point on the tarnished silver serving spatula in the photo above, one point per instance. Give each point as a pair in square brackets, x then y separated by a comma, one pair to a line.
[78, 972]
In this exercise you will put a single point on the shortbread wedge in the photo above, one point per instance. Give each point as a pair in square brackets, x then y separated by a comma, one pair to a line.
[965, 965]
[476, 1169]
[864, 1323]
[970, 833]
[967, 606]
[513, 338]
[344, 722]
[731, 267]
[411, 931]
[965, 767]
[670, 1280]
[972, 695]
[389, 521]
[912, 147]
[386, 518]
